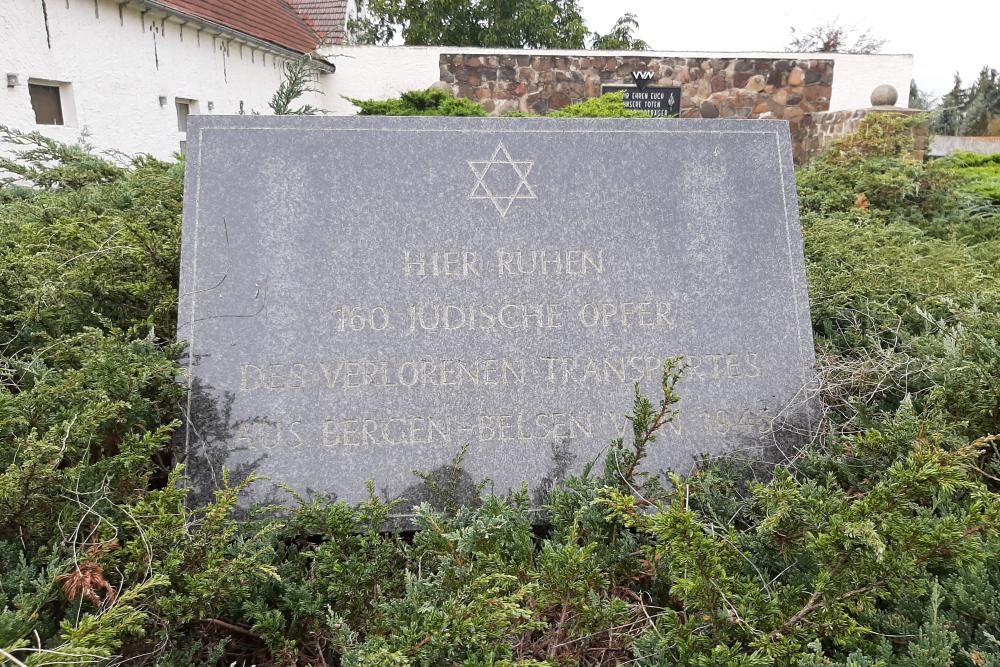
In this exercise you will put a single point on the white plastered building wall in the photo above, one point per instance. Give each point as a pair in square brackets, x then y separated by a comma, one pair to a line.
[380, 71]
[121, 70]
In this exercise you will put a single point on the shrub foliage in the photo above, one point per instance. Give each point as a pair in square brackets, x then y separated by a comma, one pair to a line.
[878, 546]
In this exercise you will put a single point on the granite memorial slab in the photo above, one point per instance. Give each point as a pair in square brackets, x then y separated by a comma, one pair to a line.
[363, 297]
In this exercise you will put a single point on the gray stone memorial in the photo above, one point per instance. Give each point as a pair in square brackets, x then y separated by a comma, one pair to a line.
[362, 297]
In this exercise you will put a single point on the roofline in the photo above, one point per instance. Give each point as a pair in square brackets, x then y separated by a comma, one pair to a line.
[322, 64]
[651, 53]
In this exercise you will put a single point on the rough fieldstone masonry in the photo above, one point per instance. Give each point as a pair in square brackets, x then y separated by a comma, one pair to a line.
[710, 87]
[817, 130]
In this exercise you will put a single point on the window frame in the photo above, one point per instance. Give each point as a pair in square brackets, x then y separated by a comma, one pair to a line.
[63, 100]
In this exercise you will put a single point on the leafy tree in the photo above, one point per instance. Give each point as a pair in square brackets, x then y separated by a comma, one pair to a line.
[621, 37]
[834, 37]
[486, 23]
[556, 24]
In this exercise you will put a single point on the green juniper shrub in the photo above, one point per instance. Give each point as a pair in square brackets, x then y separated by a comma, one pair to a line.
[436, 102]
[873, 175]
[609, 105]
[981, 172]
[89, 245]
[429, 102]
[877, 546]
[903, 289]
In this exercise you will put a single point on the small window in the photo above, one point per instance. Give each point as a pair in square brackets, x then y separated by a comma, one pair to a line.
[183, 111]
[47, 103]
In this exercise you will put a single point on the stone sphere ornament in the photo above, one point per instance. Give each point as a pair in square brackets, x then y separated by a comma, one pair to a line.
[884, 96]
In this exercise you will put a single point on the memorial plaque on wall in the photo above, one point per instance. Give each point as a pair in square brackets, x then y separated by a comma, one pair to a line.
[363, 297]
[657, 101]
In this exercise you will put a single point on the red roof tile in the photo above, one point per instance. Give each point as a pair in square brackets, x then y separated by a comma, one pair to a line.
[327, 17]
[271, 21]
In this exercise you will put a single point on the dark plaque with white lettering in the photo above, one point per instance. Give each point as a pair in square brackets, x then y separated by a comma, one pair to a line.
[654, 100]
[363, 297]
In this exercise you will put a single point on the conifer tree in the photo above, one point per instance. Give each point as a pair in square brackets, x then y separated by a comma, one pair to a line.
[949, 114]
[984, 101]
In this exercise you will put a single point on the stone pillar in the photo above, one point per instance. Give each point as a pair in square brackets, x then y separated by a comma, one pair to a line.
[819, 129]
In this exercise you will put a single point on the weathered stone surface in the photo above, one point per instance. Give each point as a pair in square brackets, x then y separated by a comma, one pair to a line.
[792, 113]
[817, 93]
[549, 79]
[558, 101]
[756, 83]
[504, 106]
[364, 296]
[884, 95]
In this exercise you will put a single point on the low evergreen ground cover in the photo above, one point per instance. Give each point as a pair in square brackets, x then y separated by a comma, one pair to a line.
[983, 172]
[878, 546]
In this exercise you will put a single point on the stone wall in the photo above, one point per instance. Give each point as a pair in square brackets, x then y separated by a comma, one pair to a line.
[942, 145]
[816, 131]
[710, 87]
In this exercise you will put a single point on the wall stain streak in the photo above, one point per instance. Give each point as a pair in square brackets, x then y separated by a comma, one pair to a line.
[45, 18]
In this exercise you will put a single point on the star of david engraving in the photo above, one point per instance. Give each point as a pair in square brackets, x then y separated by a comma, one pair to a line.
[501, 179]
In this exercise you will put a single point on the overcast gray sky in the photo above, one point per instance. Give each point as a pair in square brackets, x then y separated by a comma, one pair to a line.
[944, 37]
